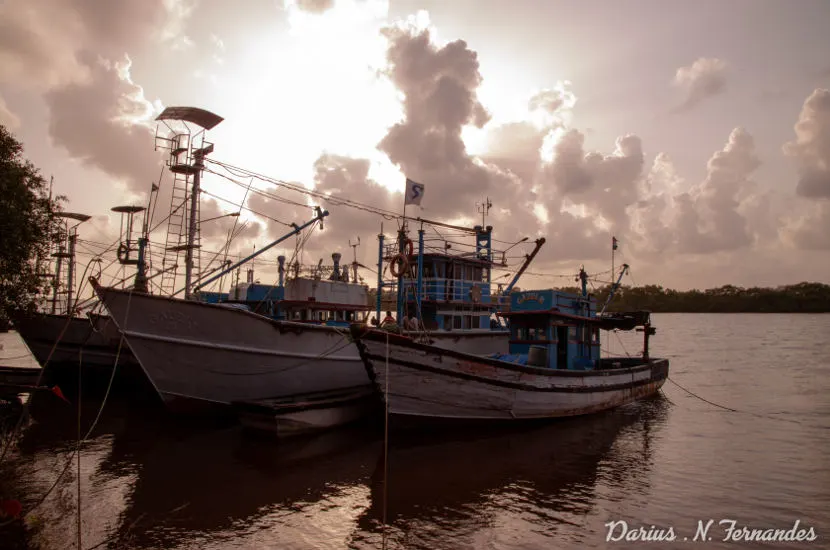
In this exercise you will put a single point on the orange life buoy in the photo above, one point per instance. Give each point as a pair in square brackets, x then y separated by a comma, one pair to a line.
[398, 266]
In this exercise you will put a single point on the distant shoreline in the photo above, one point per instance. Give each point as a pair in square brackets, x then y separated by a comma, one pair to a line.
[798, 298]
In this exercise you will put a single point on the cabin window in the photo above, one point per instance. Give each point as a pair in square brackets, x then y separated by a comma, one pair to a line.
[456, 321]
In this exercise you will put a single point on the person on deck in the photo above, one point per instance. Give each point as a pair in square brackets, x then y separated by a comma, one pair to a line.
[388, 320]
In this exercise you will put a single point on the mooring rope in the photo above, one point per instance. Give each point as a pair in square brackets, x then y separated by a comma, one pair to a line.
[758, 415]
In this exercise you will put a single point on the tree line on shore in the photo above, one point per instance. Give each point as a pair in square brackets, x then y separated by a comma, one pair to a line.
[798, 298]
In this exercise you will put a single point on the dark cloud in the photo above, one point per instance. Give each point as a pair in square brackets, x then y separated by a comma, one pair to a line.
[811, 148]
[315, 6]
[95, 122]
[704, 78]
[41, 40]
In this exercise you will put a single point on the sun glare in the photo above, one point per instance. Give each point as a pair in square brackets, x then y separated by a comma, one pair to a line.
[318, 89]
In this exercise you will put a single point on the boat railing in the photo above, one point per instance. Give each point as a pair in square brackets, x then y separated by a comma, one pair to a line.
[440, 289]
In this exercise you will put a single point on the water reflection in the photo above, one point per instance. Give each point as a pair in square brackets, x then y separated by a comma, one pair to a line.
[221, 482]
[149, 481]
[459, 490]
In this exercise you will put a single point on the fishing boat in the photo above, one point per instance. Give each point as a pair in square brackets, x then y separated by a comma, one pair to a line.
[254, 343]
[65, 333]
[553, 368]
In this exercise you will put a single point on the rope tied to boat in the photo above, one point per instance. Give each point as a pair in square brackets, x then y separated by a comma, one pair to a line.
[730, 409]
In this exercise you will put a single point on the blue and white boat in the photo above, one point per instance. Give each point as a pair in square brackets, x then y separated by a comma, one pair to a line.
[553, 366]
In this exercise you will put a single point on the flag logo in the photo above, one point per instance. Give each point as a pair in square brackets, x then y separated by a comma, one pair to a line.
[614, 243]
[414, 192]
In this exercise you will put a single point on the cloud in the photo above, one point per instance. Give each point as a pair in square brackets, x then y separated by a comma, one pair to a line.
[439, 85]
[811, 230]
[42, 42]
[719, 214]
[709, 216]
[604, 184]
[314, 6]
[574, 199]
[811, 148]
[811, 152]
[103, 123]
[704, 78]
[8, 118]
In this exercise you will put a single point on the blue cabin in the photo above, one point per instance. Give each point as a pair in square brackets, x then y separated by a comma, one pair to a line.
[555, 329]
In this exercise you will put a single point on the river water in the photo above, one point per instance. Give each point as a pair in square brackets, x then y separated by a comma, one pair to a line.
[668, 465]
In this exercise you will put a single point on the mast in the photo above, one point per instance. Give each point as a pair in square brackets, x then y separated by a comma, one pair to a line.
[187, 148]
[198, 166]
[71, 234]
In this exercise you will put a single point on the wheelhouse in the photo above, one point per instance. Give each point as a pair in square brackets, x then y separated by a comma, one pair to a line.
[554, 329]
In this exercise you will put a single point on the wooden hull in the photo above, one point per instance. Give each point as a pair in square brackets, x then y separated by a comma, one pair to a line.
[475, 341]
[91, 341]
[193, 351]
[60, 344]
[425, 381]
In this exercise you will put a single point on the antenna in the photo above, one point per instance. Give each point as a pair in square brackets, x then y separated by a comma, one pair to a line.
[354, 256]
[483, 208]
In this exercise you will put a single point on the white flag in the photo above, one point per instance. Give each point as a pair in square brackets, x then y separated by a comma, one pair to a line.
[414, 192]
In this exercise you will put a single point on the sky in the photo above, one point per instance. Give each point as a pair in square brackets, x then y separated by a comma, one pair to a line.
[696, 133]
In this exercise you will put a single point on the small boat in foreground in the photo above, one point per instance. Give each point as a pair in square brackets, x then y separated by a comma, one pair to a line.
[553, 369]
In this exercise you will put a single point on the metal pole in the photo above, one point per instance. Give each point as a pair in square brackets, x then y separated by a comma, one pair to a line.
[420, 289]
[401, 280]
[379, 300]
[71, 275]
[140, 284]
[57, 281]
[193, 222]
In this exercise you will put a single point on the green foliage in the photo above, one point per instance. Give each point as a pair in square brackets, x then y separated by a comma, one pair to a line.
[27, 227]
[798, 298]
